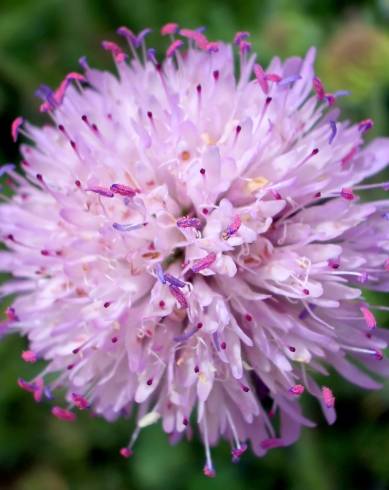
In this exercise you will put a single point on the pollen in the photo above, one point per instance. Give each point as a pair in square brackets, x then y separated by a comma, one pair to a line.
[255, 184]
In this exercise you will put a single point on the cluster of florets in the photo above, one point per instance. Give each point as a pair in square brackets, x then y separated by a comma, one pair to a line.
[188, 242]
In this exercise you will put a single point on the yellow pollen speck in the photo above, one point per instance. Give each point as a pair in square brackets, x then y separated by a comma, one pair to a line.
[256, 183]
[207, 138]
[303, 262]
[185, 155]
[202, 377]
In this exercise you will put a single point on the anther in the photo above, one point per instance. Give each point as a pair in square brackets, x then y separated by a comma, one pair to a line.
[328, 397]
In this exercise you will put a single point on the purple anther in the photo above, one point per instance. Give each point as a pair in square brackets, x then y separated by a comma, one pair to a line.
[123, 190]
[176, 292]
[189, 223]
[333, 131]
[204, 263]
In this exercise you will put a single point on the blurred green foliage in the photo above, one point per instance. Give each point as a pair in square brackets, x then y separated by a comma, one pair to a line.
[40, 41]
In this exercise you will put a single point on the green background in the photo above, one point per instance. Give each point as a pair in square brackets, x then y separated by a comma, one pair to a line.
[40, 41]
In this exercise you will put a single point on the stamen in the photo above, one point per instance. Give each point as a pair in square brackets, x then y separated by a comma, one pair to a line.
[102, 191]
[378, 355]
[208, 469]
[126, 452]
[24, 385]
[241, 36]
[63, 414]
[36, 388]
[128, 227]
[160, 274]
[79, 401]
[236, 453]
[261, 78]
[369, 317]
[273, 77]
[328, 397]
[204, 263]
[365, 125]
[174, 281]
[123, 190]
[333, 263]
[141, 37]
[189, 223]
[380, 185]
[318, 88]
[347, 194]
[76, 76]
[297, 390]
[151, 55]
[333, 131]
[127, 33]
[29, 356]
[47, 95]
[15, 126]
[176, 292]
[185, 336]
[232, 228]
[244, 47]
[341, 93]
[196, 36]
[314, 152]
[174, 46]
[169, 29]
[83, 62]
[212, 47]
[117, 52]
[11, 315]
[331, 99]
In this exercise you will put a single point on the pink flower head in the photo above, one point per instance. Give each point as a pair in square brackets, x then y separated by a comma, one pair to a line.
[171, 252]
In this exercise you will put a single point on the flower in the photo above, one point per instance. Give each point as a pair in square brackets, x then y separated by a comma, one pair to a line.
[189, 242]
